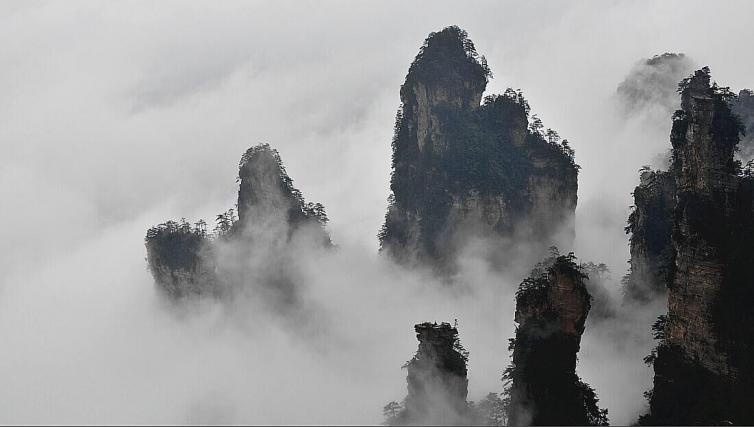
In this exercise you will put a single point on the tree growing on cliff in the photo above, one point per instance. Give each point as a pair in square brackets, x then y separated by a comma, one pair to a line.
[225, 222]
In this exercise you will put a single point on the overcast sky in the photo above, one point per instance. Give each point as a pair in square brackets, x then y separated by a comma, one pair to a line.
[115, 116]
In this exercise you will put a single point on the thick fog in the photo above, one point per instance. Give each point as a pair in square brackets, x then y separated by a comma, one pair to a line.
[117, 116]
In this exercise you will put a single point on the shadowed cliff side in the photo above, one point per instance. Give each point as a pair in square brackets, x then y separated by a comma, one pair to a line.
[245, 252]
[463, 170]
[704, 372]
[551, 309]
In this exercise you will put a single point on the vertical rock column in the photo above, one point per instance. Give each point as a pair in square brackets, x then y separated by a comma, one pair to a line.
[703, 366]
[437, 383]
[551, 309]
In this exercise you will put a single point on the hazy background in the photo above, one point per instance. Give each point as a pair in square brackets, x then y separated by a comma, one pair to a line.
[117, 116]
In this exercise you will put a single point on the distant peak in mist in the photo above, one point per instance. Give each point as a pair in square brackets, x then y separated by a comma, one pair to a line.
[652, 83]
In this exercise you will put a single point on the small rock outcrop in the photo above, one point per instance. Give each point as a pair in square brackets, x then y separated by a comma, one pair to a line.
[704, 372]
[551, 309]
[466, 167]
[186, 260]
[437, 383]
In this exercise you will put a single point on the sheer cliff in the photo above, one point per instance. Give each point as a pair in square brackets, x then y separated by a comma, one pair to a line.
[551, 309]
[466, 167]
[188, 260]
[704, 373]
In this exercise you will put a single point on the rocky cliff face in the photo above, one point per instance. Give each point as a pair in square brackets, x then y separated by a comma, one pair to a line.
[703, 366]
[650, 225]
[437, 383]
[463, 169]
[551, 309]
[188, 260]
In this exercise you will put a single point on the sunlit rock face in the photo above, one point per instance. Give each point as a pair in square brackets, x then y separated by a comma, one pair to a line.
[437, 383]
[251, 251]
[551, 310]
[462, 169]
[704, 373]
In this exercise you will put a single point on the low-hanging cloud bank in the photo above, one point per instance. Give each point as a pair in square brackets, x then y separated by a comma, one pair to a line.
[105, 350]
[114, 117]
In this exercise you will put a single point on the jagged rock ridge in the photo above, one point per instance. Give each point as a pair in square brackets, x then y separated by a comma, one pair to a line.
[188, 260]
[551, 309]
[704, 373]
[463, 169]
